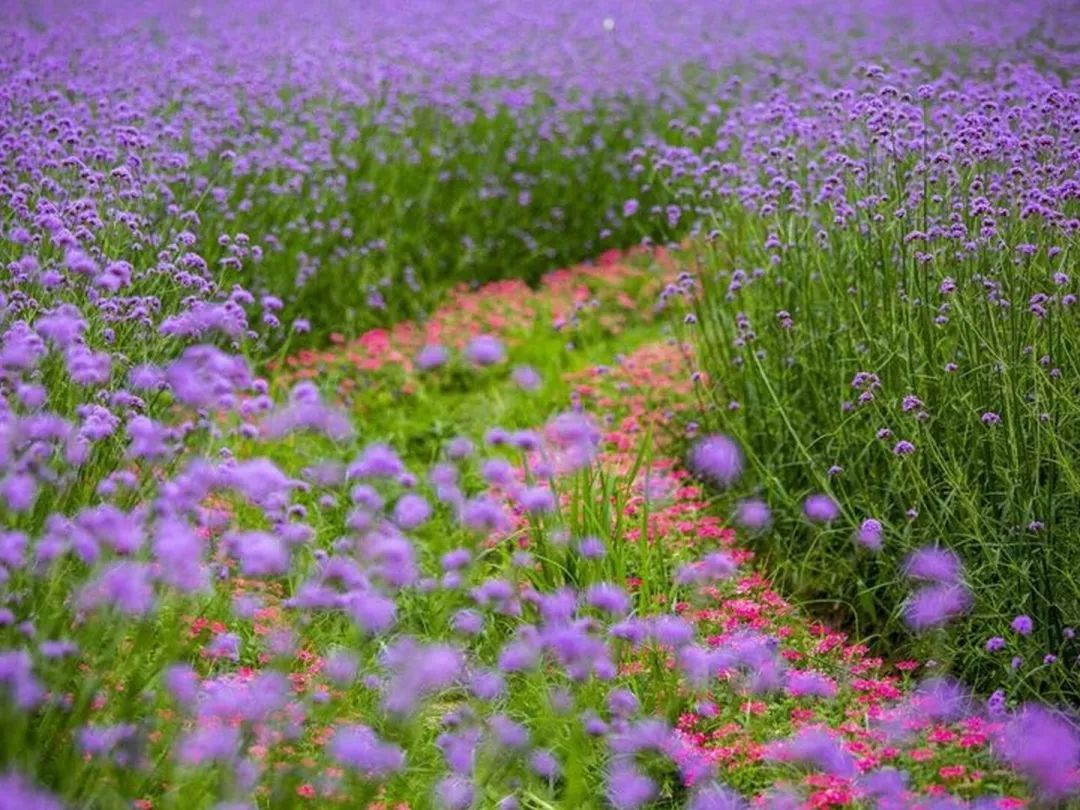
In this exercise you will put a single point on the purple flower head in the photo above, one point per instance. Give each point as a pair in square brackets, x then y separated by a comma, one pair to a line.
[1044, 748]
[261, 554]
[124, 586]
[454, 792]
[340, 667]
[622, 703]
[671, 631]
[485, 350]
[888, 785]
[468, 622]
[608, 598]
[903, 448]
[18, 793]
[431, 357]
[718, 459]
[526, 378]
[487, 684]
[753, 514]
[995, 644]
[543, 763]
[932, 564]
[821, 508]
[411, 511]
[483, 514]
[870, 534]
[802, 683]
[359, 748]
[940, 700]
[537, 500]
[498, 471]
[206, 744]
[372, 611]
[591, 548]
[818, 748]
[1023, 625]
[458, 748]
[376, 461]
[417, 671]
[936, 605]
[459, 448]
[508, 733]
[18, 680]
[627, 787]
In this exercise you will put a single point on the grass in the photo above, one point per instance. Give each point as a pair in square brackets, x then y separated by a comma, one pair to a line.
[1000, 489]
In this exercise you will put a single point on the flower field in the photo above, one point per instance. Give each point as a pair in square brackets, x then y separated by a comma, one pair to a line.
[441, 404]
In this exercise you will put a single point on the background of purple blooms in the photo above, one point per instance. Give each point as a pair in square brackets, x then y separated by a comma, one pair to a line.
[883, 206]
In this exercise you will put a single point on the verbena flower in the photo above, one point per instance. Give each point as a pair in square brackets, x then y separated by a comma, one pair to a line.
[718, 459]
[821, 508]
[1023, 625]
[485, 350]
[359, 748]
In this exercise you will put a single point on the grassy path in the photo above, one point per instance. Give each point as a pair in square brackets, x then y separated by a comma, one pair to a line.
[763, 697]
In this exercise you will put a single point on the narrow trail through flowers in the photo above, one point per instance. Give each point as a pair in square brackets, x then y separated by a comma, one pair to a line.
[798, 713]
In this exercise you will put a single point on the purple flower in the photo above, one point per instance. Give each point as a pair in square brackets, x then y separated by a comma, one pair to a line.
[454, 792]
[903, 448]
[20, 794]
[340, 667]
[591, 548]
[468, 622]
[508, 733]
[753, 515]
[713, 796]
[178, 550]
[816, 747]
[995, 644]
[431, 357]
[537, 500]
[224, 645]
[622, 702]
[671, 631]
[608, 598]
[18, 491]
[124, 586]
[417, 671]
[359, 748]
[459, 448]
[718, 459]
[1045, 749]
[931, 564]
[376, 461]
[261, 554]
[411, 511]
[487, 684]
[870, 534]
[821, 508]
[936, 605]
[17, 678]
[543, 764]
[526, 378]
[209, 744]
[627, 787]
[485, 350]
[483, 514]
[1023, 625]
[802, 683]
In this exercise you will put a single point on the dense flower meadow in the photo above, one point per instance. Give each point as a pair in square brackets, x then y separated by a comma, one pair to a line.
[320, 486]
